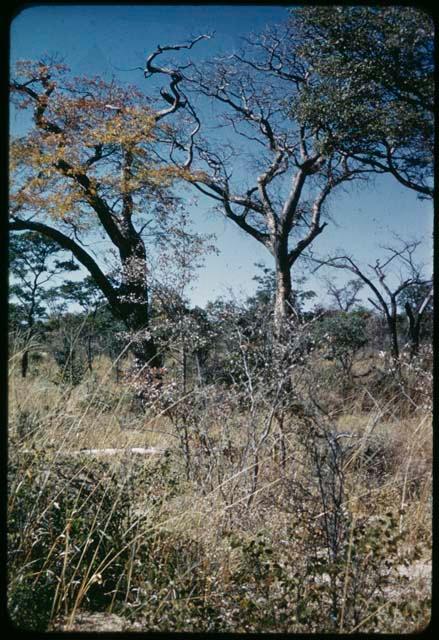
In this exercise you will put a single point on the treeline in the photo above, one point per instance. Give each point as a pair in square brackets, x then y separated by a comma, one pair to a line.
[72, 323]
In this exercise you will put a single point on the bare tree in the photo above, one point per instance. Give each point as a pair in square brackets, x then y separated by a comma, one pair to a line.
[347, 296]
[267, 173]
[385, 297]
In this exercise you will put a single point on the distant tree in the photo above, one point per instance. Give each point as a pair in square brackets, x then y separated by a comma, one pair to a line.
[84, 293]
[33, 264]
[417, 302]
[16, 318]
[241, 340]
[340, 337]
[205, 338]
[345, 297]
[65, 336]
[266, 292]
[386, 297]
[372, 93]
[89, 297]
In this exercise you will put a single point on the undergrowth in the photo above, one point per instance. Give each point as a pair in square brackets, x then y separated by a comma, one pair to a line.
[275, 516]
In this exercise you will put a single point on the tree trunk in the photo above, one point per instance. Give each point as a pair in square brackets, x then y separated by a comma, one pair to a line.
[129, 302]
[198, 365]
[135, 318]
[30, 324]
[132, 305]
[283, 301]
[394, 337]
[415, 322]
[414, 347]
[89, 353]
[184, 366]
[414, 330]
[24, 363]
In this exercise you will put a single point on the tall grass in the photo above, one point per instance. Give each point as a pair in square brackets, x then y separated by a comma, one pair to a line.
[259, 516]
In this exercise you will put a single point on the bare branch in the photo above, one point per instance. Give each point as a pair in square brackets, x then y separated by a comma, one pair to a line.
[175, 74]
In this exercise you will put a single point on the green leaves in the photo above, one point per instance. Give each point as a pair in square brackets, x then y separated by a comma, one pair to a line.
[372, 88]
[33, 264]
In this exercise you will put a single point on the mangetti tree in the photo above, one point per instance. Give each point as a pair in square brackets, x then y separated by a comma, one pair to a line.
[263, 167]
[91, 166]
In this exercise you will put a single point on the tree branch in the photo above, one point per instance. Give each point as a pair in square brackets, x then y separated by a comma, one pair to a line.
[263, 238]
[175, 100]
[424, 190]
[70, 245]
[98, 204]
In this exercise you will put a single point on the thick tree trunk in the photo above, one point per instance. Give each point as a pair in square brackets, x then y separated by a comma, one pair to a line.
[135, 317]
[133, 303]
[283, 301]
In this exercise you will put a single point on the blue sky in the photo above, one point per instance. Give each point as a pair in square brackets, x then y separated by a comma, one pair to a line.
[102, 39]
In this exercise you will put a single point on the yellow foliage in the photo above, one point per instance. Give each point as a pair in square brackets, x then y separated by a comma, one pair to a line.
[93, 140]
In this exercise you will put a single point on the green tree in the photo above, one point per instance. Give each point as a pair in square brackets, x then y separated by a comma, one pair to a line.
[387, 281]
[341, 336]
[89, 297]
[372, 91]
[33, 264]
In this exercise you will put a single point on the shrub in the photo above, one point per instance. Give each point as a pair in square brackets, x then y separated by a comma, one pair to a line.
[340, 337]
[70, 533]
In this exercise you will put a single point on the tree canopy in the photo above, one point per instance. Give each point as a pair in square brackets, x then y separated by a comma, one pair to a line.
[330, 96]
[372, 92]
[92, 162]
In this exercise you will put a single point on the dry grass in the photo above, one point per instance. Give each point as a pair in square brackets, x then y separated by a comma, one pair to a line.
[387, 468]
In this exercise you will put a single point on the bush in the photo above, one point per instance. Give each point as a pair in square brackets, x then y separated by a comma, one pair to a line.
[70, 532]
[340, 337]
